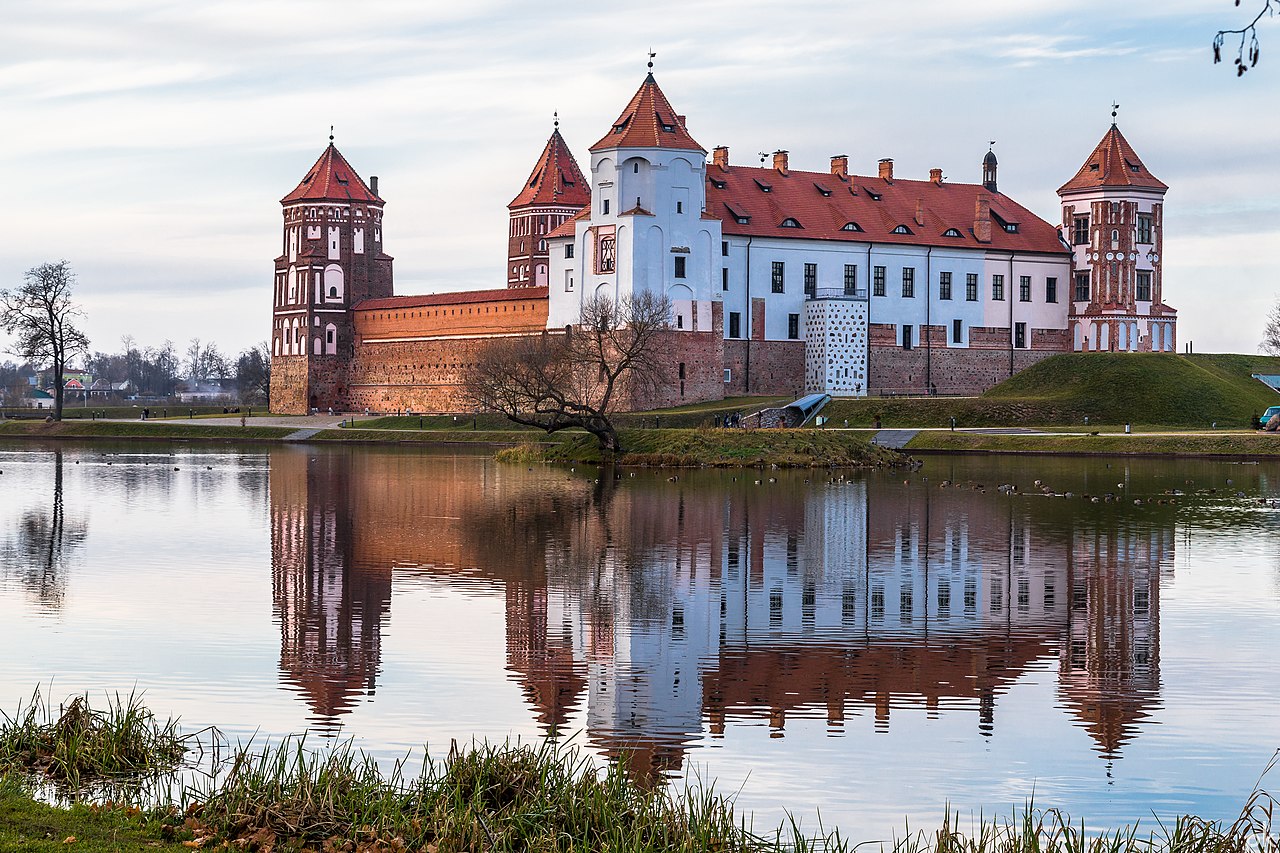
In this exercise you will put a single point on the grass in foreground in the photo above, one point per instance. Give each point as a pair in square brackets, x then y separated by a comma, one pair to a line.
[79, 744]
[512, 797]
[139, 429]
[792, 448]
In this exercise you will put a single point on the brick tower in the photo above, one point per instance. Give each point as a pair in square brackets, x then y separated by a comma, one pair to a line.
[332, 259]
[555, 191]
[1113, 216]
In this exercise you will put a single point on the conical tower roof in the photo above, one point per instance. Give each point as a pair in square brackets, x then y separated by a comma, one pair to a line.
[649, 121]
[555, 179]
[332, 179]
[1113, 163]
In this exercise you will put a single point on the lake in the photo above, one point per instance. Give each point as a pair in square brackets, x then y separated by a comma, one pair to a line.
[868, 647]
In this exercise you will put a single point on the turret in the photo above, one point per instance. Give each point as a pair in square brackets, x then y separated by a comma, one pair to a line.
[332, 259]
[555, 191]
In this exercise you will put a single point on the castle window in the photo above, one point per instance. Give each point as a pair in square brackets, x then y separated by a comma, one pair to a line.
[735, 324]
[997, 287]
[909, 282]
[793, 327]
[789, 222]
[604, 206]
[957, 331]
[944, 285]
[810, 280]
[1024, 288]
[1050, 290]
[607, 254]
[542, 245]
[1080, 231]
[850, 279]
[764, 188]
[851, 226]
[877, 281]
[1144, 286]
[742, 220]
[679, 207]
[724, 278]
[1011, 227]
[952, 232]
[777, 276]
[826, 193]
[902, 229]
[1144, 228]
[568, 250]
[724, 248]
[680, 266]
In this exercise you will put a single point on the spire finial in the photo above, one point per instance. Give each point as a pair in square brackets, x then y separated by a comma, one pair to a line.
[651, 56]
[330, 134]
[991, 144]
[1115, 108]
[555, 116]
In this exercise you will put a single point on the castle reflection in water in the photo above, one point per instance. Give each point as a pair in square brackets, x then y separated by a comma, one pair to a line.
[660, 612]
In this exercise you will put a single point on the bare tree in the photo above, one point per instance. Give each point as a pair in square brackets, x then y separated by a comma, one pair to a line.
[205, 362]
[1247, 52]
[41, 316]
[1271, 333]
[576, 379]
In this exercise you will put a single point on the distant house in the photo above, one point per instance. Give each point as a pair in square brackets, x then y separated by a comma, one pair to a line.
[205, 392]
[103, 388]
[37, 399]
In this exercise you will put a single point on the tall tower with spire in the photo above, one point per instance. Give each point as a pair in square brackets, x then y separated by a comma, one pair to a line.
[555, 191]
[332, 259]
[1113, 217]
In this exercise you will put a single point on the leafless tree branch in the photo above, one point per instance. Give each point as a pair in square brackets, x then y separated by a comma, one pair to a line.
[1248, 51]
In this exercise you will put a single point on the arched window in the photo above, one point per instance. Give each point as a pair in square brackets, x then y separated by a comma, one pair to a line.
[330, 339]
[902, 229]
[952, 232]
[851, 226]
[789, 222]
[333, 281]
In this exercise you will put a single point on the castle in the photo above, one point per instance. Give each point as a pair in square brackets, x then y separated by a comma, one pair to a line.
[781, 281]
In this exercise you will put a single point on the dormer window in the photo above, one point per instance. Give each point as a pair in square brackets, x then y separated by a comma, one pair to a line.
[717, 183]
[952, 232]
[902, 229]
[875, 196]
[1011, 227]
[622, 125]
[789, 222]
[764, 188]
[743, 220]
[1133, 167]
[668, 128]
[1093, 167]
[826, 193]
[851, 226]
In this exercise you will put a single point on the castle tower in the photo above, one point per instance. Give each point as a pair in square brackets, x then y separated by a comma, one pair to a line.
[1113, 216]
[647, 225]
[554, 191]
[332, 258]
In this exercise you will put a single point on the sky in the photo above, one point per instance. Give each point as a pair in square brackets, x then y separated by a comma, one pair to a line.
[149, 143]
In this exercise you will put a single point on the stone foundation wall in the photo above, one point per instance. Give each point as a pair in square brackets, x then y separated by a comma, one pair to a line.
[951, 370]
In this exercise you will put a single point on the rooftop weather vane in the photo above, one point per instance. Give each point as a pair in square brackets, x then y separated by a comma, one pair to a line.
[330, 134]
[1115, 108]
[556, 119]
[651, 56]
[991, 145]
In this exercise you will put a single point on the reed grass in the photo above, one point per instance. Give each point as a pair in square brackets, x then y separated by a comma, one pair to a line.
[547, 797]
[78, 744]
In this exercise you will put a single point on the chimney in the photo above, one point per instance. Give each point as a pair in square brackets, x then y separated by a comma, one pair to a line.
[373, 184]
[720, 156]
[919, 211]
[982, 219]
[840, 166]
[780, 161]
[935, 175]
[680, 120]
[886, 169]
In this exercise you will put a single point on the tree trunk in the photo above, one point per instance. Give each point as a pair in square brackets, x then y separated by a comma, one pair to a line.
[58, 390]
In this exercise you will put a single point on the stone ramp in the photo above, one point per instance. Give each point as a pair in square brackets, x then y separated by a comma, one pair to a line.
[302, 434]
[894, 439]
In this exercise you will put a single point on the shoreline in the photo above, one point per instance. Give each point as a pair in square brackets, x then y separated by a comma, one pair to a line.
[682, 447]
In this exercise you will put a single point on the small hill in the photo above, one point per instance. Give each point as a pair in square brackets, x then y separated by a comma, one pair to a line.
[1145, 388]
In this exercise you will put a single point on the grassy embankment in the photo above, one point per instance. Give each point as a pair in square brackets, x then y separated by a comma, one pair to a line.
[139, 429]
[495, 798]
[1144, 389]
[1236, 444]
[787, 448]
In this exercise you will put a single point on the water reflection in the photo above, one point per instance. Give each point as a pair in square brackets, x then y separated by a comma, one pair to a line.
[657, 612]
[37, 549]
[329, 607]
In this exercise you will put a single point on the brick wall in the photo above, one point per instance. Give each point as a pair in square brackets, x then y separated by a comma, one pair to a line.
[775, 367]
[894, 370]
[493, 316]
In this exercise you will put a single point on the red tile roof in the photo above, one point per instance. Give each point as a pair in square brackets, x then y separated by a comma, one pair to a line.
[332, 179]
[567, 228]
[1113, 163]
[823, 205]
[556, 179]
[460, 297]
[649, 121]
